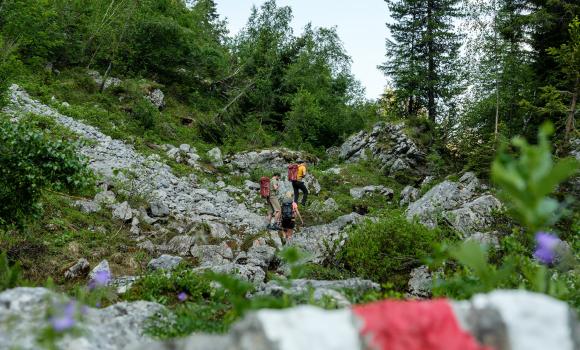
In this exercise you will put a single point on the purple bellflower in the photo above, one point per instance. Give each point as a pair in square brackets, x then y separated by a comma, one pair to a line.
[101, 279]
[66, 318]
[182, 296]
[546, 244]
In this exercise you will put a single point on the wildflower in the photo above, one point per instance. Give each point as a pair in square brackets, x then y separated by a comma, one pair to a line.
[101, 279]
[182, 296]
[546, 244]
[66, 319]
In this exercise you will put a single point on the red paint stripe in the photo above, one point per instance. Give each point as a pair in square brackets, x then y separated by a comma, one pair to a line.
[414, 325]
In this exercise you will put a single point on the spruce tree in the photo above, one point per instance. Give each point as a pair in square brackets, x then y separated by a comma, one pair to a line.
[422, 54]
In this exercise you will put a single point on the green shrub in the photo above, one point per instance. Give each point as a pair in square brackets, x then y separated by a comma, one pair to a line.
[10, 276]
[387, 249]
[31, 161]
[145, 113]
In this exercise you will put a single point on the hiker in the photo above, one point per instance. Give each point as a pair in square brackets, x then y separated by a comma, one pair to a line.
[296, 174]
[269, 191]
[289, 213]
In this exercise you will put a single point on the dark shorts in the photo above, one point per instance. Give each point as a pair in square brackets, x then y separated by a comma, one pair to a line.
[288, 224]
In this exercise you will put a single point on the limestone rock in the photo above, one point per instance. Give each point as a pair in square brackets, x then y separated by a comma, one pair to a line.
[459, 203]
[420, 282]
[261, 256]
[103, 266]
[164, 262]
[119, 326]
[157, 98]
[123, 212]
[312, 239]
[159, 208]
[250, 273]
[79, 269]
[211, 255]
[110, 82]
[215, 155]
[360, 192]
[181, 245]
[388, 143]
[409, 194]
[87, 206]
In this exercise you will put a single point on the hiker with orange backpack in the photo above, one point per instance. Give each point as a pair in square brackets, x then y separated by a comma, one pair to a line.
[269, 191]
[296, 174]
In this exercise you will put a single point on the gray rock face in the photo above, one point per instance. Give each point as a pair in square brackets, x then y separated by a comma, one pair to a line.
[261, 256]
[164, 262]
[123, 212]
[312, 239]
[215, 155]
[388, 143]
[360, 192]
[250, 273]
[157, 98]
[105, 198]
[409, 194]
[268, 159]
[420, 282]
[180, 245]
[79, 269]
[103, 266]
[309, 180]
[211, 255]
[147, 174]
[120, 326]
[457, 202]
[158, 208]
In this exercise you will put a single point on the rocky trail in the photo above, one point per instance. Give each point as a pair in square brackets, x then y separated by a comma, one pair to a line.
[210, 221]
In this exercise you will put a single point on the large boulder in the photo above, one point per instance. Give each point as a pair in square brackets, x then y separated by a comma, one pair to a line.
[23, 315]
[388, 143]
[315, 239]
[460, 203]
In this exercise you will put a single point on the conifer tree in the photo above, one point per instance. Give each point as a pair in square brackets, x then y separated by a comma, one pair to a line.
[422, 54]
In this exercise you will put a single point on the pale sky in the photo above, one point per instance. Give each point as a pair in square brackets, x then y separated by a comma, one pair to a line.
[360, 25]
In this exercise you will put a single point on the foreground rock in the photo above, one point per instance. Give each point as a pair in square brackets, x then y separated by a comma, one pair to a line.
[460, 203]
[502, 320]
[23, 316]
[388, 143]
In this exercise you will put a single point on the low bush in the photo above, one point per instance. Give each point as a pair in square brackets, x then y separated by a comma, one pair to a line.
[30, 162]
[386, 250]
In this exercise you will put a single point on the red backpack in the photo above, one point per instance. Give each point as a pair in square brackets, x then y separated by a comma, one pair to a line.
[265, 187]
[292, 172]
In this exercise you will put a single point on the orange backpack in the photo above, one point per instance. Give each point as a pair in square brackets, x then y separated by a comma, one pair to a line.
[292, 172]
[265, 187]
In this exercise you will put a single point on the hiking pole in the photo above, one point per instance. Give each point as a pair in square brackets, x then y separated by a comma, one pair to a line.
[300, 216]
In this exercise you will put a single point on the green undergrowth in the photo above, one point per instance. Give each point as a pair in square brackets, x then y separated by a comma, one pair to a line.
[387, 249]
[208, 302]
[64, 234]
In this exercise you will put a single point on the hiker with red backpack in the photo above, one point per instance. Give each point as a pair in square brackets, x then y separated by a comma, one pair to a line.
[296, 174]
[269, 191]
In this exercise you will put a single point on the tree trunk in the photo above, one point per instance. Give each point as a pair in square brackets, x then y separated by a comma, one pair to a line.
[431, 64]
[106, 76]
[571, 115]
